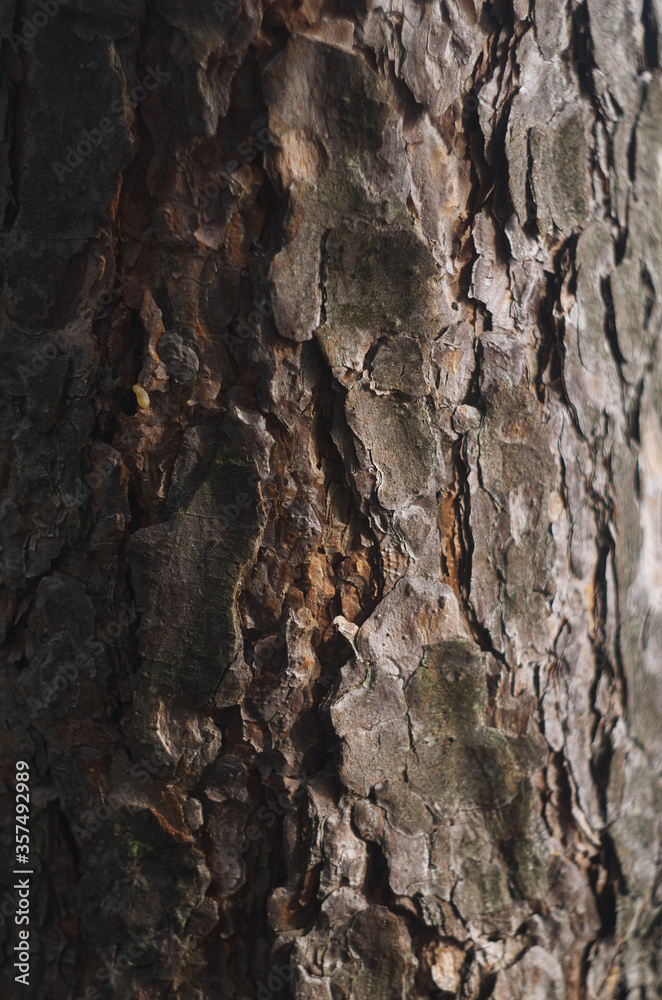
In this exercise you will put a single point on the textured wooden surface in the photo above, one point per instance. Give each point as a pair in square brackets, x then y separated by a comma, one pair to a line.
[331, 497]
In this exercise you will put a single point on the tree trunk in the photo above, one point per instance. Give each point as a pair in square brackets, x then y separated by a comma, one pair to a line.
[331, 533]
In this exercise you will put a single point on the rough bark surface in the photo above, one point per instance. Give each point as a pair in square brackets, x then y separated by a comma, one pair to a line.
[331, 497]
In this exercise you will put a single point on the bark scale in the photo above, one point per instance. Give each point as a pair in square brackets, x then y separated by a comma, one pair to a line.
[331, 519]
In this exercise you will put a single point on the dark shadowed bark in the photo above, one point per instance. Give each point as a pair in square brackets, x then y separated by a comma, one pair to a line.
[331, 498]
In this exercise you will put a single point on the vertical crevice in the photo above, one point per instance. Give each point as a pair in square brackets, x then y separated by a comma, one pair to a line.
[651, 36]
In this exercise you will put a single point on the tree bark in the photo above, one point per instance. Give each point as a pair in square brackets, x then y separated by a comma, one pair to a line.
[331, 514]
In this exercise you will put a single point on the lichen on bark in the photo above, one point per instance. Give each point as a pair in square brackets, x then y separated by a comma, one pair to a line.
[330, 513]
